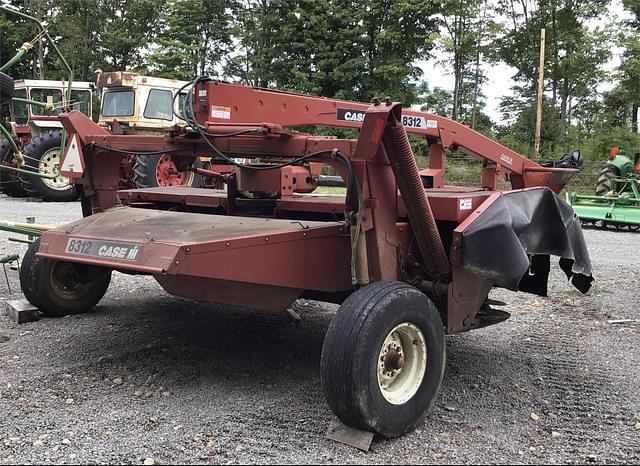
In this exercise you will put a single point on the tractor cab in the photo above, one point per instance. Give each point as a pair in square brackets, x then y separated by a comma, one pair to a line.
[145, 105]
[29, 120]
[36, 137]
[140, 104]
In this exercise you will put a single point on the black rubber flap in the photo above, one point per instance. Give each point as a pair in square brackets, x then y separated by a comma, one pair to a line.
[511, 241]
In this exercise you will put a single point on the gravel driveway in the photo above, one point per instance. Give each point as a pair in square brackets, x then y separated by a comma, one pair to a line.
[148, 376]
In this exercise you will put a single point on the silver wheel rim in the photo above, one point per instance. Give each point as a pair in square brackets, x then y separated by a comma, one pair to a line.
[402, 363]
[50, 165]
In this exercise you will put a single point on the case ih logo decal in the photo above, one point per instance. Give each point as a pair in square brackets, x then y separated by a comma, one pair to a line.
[346, 114]
[507, 159]
[122, 251]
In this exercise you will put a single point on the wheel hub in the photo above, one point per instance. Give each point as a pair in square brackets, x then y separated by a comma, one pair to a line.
[402, 363]
[168, 175]
[67, 282]
[393, 360]
[50, 165]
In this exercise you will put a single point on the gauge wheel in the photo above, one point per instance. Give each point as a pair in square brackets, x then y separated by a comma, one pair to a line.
[60, 288]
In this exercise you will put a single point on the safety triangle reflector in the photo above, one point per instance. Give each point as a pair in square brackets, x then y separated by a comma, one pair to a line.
[73, 163]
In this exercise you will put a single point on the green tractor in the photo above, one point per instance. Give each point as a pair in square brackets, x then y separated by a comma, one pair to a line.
[619, 165]
[32, 140]
[617, 200]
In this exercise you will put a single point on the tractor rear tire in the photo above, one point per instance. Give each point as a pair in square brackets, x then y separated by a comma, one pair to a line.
[9, 182]
[383, 358]
[6, 88]
[605, 183]
[60, 288]
[42, 154]
[150, 172]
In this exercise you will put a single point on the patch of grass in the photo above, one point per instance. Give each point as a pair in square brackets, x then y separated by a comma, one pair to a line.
[597, 290]
[330, 190]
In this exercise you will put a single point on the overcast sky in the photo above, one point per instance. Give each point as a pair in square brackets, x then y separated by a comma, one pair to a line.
[500, 76]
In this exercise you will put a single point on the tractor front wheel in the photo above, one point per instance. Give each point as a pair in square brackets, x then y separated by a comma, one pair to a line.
[383, 358]
[152, 171]
[60, 288]
[605, 183]
[43, 155]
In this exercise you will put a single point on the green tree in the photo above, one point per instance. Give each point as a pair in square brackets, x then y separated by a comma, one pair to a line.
[127, 31]
[629, 70]
[345, 48]
[465, 30]
[13, 33]
[79, 27]
[194, 39]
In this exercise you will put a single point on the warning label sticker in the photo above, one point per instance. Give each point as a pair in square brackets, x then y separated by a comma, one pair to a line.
[221, 112]
[466, 204]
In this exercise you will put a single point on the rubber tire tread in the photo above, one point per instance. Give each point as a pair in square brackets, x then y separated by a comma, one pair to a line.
[6, 88]
[35, 273]
[35, 185]
[144, 172]
[340, 346]
[604, 185]
[9, 186]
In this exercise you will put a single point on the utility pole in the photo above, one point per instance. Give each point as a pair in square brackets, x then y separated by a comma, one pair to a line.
[540, 92]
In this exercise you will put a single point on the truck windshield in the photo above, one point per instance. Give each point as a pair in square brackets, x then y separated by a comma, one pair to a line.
[118, 103]
[41, 95]
[81, 101]
[19, 110]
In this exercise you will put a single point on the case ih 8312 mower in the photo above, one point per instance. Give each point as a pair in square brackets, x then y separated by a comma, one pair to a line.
[408, 258]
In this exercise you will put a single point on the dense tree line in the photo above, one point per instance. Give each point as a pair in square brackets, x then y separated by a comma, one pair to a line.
[356, 49]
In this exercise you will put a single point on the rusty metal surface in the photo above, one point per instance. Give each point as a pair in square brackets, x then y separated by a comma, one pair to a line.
[252, 105]
[193, 197]
[115, 79]
[405, 169]
[181, 228]
[266, 298]
[205, 255]
[241, 249]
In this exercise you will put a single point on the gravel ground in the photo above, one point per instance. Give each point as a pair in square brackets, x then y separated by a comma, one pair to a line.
[149, 376]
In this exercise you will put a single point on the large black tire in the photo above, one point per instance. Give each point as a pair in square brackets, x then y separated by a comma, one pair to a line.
[9, 182]
[46, 149]
[355, 351]
[61, 288]
[605, 184]
[145, 173]
[6, 88]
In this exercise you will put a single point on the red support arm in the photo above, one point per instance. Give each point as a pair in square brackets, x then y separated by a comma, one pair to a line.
[220, 103]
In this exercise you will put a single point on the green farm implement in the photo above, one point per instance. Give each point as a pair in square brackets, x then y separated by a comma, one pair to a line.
[30, 230]
[617, 199]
